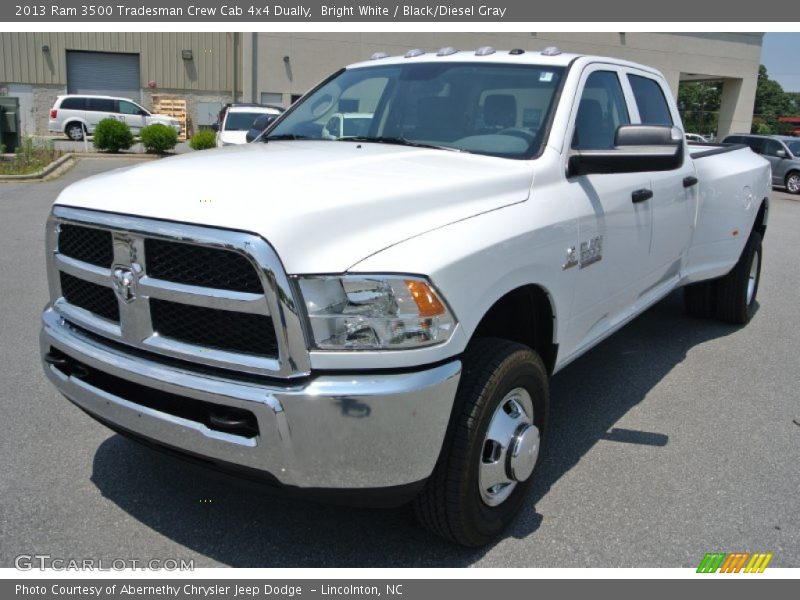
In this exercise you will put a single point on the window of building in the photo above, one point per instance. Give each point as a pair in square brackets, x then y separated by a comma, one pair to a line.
[272, 98]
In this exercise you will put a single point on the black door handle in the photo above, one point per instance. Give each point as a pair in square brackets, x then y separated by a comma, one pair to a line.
[689, 181]
[641, 195]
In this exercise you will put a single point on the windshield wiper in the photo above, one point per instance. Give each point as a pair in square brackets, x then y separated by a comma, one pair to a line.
[397, 141]
[284, 137]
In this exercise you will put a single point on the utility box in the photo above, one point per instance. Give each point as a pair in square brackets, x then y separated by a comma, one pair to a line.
[9, 122]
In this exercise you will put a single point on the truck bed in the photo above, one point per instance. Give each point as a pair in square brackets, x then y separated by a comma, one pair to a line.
[732, 182]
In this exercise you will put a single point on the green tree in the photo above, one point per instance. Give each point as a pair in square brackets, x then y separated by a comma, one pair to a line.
[771, 102]
[699, 104]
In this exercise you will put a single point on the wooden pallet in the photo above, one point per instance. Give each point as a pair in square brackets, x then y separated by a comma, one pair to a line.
[174, 107]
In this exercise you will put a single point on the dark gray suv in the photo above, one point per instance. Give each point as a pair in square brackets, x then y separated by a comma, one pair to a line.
[782, 152]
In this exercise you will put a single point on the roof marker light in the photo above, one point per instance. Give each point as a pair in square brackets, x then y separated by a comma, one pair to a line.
[446, 51]
[485, 51]
[414, 52]
[516, 51]
[379, 55]
[551, 51]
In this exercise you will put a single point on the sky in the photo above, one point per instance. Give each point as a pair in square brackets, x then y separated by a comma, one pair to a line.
[780, 53]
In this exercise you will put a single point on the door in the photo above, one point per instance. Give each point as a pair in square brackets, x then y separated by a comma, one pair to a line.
[779, 164]
[674, 192]
[614, 231]
[103, 74]
[98, 109]
[133, 115]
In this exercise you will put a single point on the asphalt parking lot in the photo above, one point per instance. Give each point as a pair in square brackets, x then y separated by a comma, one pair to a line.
[673, 438]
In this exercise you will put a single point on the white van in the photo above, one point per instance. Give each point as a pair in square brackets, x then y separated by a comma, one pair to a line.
[75, 115]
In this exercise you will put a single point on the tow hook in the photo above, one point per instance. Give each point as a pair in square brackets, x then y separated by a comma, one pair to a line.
[63, 364]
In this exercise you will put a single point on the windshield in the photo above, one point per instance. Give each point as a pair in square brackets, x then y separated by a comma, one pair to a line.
[794, 147]
[240, 121]
[494, 109]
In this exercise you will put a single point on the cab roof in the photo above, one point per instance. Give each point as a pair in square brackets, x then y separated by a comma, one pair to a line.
[548, 57]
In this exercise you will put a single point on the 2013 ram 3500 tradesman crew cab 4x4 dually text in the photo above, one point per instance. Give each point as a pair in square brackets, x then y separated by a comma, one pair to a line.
[376, 313]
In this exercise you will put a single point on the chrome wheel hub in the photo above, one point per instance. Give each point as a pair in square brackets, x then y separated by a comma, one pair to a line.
[752, 279]
[793, 184]
[510, 448]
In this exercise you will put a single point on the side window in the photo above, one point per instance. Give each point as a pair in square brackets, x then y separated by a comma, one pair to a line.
[128, 108]
[601, 110]
[653, 107]
[100, 104]
[73, 103]
[756, 144]
[771, 147]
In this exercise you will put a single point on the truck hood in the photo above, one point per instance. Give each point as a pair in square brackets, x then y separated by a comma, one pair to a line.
[323, 206]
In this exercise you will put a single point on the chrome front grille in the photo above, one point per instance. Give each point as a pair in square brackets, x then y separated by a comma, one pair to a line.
[214, 297]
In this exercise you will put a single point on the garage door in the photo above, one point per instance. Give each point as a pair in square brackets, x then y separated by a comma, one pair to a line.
[104, 73]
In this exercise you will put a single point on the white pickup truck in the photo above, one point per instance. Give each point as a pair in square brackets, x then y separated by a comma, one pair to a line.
[374, 318]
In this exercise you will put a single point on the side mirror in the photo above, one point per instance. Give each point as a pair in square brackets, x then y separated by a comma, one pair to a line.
[215, 127]
[637, 148]
[781, 154]
[258, 126]
[144, 113]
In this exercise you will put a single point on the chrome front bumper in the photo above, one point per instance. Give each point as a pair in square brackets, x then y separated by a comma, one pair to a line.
[332, 431]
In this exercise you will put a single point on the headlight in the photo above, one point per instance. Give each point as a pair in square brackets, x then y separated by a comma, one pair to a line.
[374, 312]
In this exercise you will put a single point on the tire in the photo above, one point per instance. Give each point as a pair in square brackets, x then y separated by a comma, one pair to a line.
[496, 374]
[736, 292]
[793, 182]
[74, 131]
[699, 299]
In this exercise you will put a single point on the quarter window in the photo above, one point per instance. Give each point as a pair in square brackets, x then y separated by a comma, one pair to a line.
[73, 103]
[653, 107]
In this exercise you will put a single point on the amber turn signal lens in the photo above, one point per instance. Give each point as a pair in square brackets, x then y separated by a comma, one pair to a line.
[427, 302]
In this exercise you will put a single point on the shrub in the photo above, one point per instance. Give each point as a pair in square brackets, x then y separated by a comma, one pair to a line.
[203, 140]
[112, 135]
[158, 138]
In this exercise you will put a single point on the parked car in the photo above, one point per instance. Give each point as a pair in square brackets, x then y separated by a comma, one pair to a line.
[376, 317]
[783, 153]
[238, 119]
[344, 125]
[76, 115]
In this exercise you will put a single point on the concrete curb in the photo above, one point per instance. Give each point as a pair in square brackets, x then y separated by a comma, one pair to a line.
[63, 164]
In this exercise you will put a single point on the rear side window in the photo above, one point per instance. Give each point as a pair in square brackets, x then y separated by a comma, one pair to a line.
[601, 111]
[653, 107]
[74, 103]
[771, 147]
[100, 104]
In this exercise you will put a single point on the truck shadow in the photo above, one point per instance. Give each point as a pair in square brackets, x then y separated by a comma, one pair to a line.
[242, 525]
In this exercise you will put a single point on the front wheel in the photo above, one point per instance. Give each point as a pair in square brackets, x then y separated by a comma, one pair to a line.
[793, 182]
[492, 444]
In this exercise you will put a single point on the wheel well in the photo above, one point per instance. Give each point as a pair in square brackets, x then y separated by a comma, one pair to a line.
[760, 224]
[74, 122]
[524, 315]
